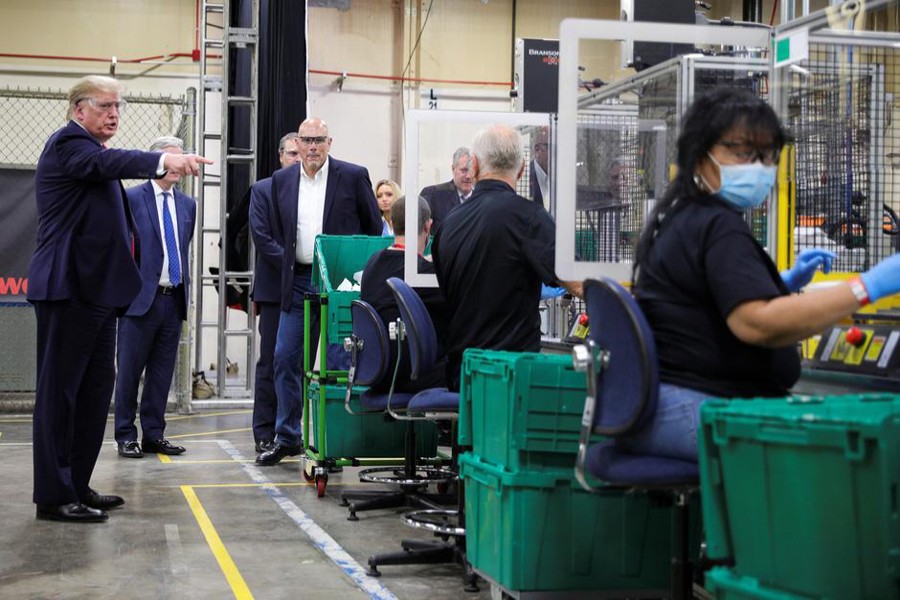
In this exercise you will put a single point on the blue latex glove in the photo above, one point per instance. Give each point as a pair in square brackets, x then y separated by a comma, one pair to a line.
[803, 270]
[883, 279]
[548, 292]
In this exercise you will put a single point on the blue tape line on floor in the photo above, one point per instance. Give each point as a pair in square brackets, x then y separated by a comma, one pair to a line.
[320, 539]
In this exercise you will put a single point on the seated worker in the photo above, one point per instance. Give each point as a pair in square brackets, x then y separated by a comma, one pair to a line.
[491, 255]
[725, 322]
[375, 290]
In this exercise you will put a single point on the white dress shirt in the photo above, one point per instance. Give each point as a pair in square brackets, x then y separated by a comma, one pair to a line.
[158, 193]
[543, 182]
[310, 211]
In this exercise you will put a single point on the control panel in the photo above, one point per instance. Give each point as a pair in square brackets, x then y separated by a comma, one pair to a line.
[870, 349]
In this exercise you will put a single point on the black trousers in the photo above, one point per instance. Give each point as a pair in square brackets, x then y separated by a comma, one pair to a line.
[76, 342]
[265, 404]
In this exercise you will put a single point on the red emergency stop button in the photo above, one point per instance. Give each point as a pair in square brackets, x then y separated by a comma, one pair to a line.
[855, 336]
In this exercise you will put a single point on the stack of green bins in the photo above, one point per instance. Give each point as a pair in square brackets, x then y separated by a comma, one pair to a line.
[802, 493]
[336, 258]
[529, 525]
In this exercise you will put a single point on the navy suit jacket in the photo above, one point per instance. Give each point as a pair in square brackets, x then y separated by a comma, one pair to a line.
[267, 241]
[350, 209]
[442, 198]
[142, 201]
[84, 236]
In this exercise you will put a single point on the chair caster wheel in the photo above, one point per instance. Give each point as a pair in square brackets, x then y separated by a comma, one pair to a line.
[373, 571]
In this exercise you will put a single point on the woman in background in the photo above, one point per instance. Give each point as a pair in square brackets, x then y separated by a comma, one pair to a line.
[386, 192]
[726, 323]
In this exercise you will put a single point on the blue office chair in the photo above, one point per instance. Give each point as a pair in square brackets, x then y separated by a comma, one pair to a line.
[369, 350]
[431, 404]
[623, 387]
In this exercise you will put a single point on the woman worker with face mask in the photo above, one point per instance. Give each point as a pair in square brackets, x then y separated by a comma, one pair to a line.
[725, 322]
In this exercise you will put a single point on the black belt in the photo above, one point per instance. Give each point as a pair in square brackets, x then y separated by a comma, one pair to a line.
[167, 290]
[302, 269]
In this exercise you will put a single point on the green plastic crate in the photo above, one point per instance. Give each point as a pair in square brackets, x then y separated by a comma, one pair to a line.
[362, 436]
[521, 409]
[723, 584]
[339, 257]
[539, 531]
[802, 492]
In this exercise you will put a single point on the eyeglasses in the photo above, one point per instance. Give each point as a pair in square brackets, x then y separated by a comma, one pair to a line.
[744, 153]
[119, 105]
[319, 140]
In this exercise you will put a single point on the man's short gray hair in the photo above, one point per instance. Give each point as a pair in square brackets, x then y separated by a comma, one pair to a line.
[288, 136]
[167, 141]
[460, 152]
[498, 149]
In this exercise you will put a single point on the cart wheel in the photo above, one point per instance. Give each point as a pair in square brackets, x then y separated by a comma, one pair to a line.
[321, 482]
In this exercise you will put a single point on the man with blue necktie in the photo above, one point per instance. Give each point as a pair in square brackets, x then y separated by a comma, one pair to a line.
[149, 331]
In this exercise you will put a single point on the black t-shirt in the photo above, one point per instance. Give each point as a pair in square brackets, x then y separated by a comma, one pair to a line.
[491, 255]
[375, 290]
[703, 263]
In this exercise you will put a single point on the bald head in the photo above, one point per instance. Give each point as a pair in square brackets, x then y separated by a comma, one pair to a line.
[315, 143]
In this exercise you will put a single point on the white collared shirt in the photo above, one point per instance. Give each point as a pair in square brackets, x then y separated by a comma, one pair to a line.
[158, 193]
[310, 211]
[543, 181]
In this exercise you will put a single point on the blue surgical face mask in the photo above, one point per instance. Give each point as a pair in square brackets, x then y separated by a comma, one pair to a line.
[745, 186]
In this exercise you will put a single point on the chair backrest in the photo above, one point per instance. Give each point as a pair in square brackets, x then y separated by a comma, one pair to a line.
[628, 382]
[422, 338]
[373, 355]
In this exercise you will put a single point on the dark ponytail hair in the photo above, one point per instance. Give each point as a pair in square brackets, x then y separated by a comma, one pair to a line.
[707, 120]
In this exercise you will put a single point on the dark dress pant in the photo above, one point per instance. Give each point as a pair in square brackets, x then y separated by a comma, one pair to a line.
[148, 344]
[265, 404]
[76, 343]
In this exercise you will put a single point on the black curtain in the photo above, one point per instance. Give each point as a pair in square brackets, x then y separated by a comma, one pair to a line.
[282, 77]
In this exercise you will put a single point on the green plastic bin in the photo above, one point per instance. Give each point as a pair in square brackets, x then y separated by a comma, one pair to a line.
[339, 257]
[521, 409]
[802, 492]
[361, 436]
[723, 584]
[539, 531]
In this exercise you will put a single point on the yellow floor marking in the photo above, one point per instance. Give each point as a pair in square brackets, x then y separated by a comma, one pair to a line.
[186, 435]
[229, 569]
[217, 414]
[164, 458]
[202, 461]
[237, 485]
[15, 420]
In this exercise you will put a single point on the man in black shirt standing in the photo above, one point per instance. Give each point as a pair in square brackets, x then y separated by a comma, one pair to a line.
[491, 255]
[375, 290]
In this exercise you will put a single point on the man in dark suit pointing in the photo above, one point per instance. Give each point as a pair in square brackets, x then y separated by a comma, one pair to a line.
[319, 195]
[82, 274]
[149, 331]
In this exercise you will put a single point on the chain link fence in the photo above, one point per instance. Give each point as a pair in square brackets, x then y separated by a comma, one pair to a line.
[30, 116]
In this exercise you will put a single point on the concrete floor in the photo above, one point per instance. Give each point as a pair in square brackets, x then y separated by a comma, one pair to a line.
[206, 524]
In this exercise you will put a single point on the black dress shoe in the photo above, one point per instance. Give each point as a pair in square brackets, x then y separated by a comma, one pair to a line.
[161, 446]
[101, 501]
[75, 512]
[264, 446]
[130, 450]
[276, 454]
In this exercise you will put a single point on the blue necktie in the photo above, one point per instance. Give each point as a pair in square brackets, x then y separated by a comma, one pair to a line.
[171, 246]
